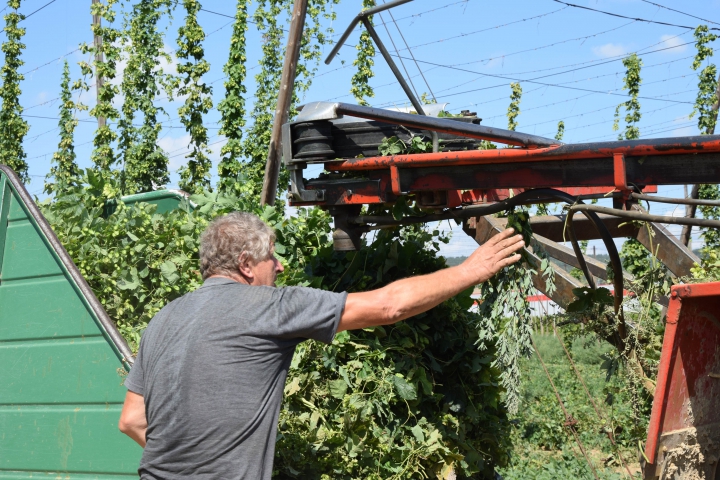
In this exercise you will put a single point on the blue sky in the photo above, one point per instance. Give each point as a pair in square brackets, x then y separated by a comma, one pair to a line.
[492, 42]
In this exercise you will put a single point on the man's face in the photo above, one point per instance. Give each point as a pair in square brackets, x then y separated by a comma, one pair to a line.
[266, 271]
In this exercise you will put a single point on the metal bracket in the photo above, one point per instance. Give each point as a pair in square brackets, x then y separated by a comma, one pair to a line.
[297, 182]
[620, 177]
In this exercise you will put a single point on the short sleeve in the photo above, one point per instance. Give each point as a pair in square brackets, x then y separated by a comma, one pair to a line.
[135, 381]
[309, 313]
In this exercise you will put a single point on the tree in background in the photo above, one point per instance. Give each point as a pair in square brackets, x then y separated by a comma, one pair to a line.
[364, 62]
[232, 107]
[13, 127]
[514, 108]
[106, 54]
[255, 146]
[631, 83]
[560, 131]
[706, 108]
[145, 164]
[195, 176]
[66, 171]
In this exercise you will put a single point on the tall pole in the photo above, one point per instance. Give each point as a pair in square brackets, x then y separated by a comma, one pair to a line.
[287, 84]
[97, 43]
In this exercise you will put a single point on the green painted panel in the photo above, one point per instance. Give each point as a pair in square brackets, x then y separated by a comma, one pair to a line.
[26, 253]
[43, 308]
[60, 371]
[16, 211]
[65, 439]
[15, 475]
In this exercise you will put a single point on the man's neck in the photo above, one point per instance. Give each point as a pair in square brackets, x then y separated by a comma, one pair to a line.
[233, 277]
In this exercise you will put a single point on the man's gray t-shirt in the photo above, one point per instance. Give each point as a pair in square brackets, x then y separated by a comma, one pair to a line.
[212, 367]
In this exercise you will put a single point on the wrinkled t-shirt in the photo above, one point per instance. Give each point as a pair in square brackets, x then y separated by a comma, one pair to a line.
[212, 367]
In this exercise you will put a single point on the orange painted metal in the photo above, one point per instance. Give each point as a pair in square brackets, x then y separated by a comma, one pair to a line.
[512, 155]
[687, 393]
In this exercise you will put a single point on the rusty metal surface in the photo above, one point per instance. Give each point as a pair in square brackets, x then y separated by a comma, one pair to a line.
[637, 150]
[669, 249]
[684, 431]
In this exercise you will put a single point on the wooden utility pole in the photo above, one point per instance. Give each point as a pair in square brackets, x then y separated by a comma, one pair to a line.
[287, 84]
[97, 43]
[690, 210]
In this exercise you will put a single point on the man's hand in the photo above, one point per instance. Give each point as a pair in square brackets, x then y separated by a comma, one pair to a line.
[493, 256]
[411, 296]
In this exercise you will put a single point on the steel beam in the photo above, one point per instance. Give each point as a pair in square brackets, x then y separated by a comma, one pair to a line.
[669, 249]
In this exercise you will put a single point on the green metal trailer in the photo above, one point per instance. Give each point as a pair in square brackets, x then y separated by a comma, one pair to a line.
[63, 359]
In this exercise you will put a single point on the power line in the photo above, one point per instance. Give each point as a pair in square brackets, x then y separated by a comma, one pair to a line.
[555, 85]
[36, 11]
[409, 51]
[629, 18]
[678, 11]
[398, 55]
[51, 61]
[490, 28]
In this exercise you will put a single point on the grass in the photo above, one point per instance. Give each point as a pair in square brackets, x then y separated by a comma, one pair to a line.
[544, 448]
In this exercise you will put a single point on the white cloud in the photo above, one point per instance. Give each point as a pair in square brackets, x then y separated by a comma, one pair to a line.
[674, 43]
[176, 148]
[610, 50]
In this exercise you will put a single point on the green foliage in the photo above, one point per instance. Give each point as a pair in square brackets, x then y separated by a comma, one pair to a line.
[13, 127]
[406, 401]
[412, 400]
[364, 62]
[255, 146]
[543, 447]
[66, 171]
[108, 50]
[514, 108]
[560, 131]
[195, 176]
[710, 235]
[232, 106]
[395, 146]
[707, 98]
[144, 162]
[631, 83]
[635, 257]
[505, 311]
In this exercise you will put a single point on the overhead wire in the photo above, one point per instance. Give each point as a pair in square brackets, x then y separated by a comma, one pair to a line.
[603, 62]
[398, 55]
[489, 28]
[36, 11]
[410, 52]
[626, 17]
[534, 81]
[678, 11]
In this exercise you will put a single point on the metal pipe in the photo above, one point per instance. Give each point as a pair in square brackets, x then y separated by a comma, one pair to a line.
[679, 201]
[646, 217]
[443, 125]
[358, 18]
[581, 151]
[398, 76]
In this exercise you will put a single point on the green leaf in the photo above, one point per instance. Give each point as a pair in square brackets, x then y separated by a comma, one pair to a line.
[337, 388]
[418, 433]
[405, 390]
[169, 271]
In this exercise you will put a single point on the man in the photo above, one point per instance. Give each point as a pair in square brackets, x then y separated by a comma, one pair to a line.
[205, 391]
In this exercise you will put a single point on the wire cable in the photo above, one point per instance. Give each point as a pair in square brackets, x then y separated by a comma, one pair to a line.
[678, 11]
[629, 18]
[36, 11]
[489, 28]
[410, 52]
[397, 52]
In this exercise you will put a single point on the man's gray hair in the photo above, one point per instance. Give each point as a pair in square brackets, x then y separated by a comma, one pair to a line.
[227, 237]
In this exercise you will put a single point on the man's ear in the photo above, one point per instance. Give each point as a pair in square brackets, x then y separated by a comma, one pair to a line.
[245, 267]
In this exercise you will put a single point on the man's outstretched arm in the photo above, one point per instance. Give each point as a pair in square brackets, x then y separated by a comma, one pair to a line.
[133, 422]
[410, 296]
